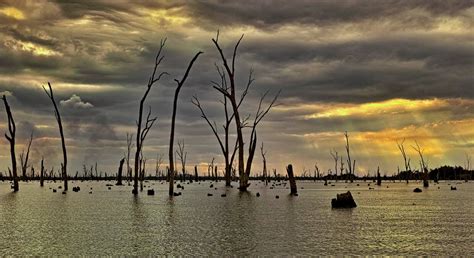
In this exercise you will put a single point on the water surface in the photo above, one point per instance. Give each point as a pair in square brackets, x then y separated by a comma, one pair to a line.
[387, 221]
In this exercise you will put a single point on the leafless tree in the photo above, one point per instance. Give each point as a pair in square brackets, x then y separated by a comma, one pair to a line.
[350, 165]
[11, 140]
[159, 162]
[180, 84]
[316, 171]
[423, 164]
[24, 157]
[468, 162]
[182, 155]
[143, 132]
[264, 159]
[335, 156]
[60, 125]
[406, 159]
[42, 172]
[127, 156]
[224, 144]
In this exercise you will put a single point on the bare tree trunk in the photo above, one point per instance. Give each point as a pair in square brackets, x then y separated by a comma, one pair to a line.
[24, 159]
[11, 140]
[173, 119]
[63, 142]
[142, 133]
[291, 177]
[196, 176]
[119, 174]
[42, 173]
[349, 162]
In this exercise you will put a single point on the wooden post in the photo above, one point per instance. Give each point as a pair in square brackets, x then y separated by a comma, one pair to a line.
[291, 177]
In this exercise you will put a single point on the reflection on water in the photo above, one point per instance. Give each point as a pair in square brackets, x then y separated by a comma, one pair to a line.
[387, 221]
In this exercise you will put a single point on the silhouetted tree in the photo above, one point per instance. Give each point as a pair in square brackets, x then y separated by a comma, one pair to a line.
[264, 160]
[42, 172]
[143, 132]
[11, 140]
[293, 188]
[335, 156]
[119, 173]
[182, 155]
[350, 164]
[406, 159]
[423, 165]
[180, 84]
[229, 117]
[159, 162]
[24, 158]
[127, 156]
[63, 142]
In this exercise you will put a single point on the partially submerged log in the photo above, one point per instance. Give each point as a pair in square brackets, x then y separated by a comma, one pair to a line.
[291, 177]
[343, 200]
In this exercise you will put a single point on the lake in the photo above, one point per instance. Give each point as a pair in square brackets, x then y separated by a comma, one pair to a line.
[387, 221]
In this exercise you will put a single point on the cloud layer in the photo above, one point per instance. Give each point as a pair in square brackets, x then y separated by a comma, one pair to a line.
[381, 70]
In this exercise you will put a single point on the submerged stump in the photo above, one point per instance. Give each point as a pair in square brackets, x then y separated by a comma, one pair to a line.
[291, 177]
[343, 200]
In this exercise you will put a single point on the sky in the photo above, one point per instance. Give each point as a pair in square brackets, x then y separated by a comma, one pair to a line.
[383, 71]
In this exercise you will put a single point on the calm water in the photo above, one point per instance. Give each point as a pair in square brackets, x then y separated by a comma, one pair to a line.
[387, 221]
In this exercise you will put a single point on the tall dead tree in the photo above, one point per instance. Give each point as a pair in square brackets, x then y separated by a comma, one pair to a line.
[350, 165]
[423, 165]
[182, 155]
[180, 84]
[231, 94]
[143, 132]
[11, 140]
[335, 156]
[61, 132]
[24, 157]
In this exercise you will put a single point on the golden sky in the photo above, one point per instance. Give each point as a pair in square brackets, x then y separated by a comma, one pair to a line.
[382, 71]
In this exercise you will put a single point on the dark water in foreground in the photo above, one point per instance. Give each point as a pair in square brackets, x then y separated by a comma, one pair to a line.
[387, 221]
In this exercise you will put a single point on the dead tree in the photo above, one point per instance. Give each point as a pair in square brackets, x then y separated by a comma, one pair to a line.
[143, 132]
[180, 84]
[182, 155]
[316, 171]
[423, 165]
[264, 159]
[349, 163]
[129, 149]
[159, 162]
[401, 147]
[119, 173]
[230, 93]
[24, 157]
[61, 132]
[223, 144]
[335, 156]
[142, 171]
[42, 172]
[11, 140]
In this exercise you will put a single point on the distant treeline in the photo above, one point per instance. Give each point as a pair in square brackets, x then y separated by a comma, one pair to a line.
[441, 173]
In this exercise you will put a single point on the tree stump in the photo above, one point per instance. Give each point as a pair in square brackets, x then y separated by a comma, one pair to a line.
[343, 200]
[291, 177]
